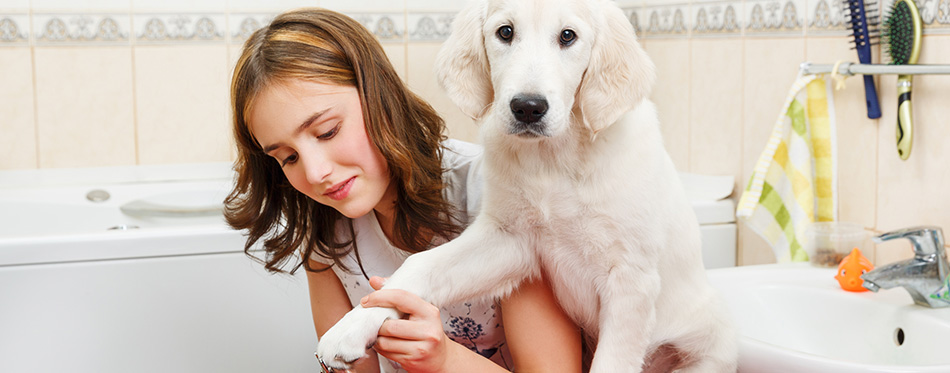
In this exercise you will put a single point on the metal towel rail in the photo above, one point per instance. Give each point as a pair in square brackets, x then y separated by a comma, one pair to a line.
[850, 68]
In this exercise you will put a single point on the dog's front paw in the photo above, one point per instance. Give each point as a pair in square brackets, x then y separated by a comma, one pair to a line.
[348, 340]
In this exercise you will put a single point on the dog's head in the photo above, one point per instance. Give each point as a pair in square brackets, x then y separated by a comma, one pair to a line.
[532, 64]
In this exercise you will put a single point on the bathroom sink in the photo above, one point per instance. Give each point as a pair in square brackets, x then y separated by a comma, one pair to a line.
[795, 318]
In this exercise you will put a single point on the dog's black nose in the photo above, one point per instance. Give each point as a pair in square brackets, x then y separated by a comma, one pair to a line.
[528, 109]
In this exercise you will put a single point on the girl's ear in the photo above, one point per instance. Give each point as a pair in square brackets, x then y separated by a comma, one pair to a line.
[619, 74]
[462, 66]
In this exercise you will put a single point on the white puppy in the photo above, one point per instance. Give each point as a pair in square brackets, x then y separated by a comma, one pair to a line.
[577, 184]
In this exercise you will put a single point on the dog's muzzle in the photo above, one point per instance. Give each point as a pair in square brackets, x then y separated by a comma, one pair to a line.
[528, 110]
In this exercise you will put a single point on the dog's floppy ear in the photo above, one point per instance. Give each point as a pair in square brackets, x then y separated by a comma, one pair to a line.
[619, 75]
[462, 65]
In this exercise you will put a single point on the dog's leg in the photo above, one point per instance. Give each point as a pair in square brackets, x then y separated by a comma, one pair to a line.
[627, 319]
[483, 262]
[712, 345]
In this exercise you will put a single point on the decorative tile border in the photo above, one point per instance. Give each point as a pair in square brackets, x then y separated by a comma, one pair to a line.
[656, 19]
[827, 17]
[775, 17]
[934, 13]
[83, 28]
[720, 19]
[667, 21]
[170, 28]
[388, 27]
[14, 29]
[164, 28]
[242, 25]
[633, 15]
[430, 26]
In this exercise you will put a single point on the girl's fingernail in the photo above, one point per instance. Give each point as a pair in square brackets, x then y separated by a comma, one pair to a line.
[364, 300]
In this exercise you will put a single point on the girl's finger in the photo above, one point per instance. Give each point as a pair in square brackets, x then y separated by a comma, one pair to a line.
[409, 353]
[401, 300]
[394, 348]
[377, 282]
[416, 330]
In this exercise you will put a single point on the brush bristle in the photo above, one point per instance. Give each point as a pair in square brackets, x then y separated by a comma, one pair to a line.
[899, 33]
[862, 17]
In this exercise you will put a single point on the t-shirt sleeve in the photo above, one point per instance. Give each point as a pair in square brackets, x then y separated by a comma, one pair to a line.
[463, 162]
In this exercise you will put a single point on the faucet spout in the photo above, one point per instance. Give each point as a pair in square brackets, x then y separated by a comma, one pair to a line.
[891, 275]
[925, 277]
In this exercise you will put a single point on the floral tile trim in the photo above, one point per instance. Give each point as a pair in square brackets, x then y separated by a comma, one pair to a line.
[775, 17]
[722, 19]
[666, 21]
[14, 29]
[51, 29]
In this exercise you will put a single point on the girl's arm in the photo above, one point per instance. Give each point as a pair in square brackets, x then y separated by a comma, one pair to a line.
[418, 342]
[328, 303]
[540, 336]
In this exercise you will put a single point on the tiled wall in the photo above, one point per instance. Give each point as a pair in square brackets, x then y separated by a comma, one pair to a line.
[725, 67]
[124, 82]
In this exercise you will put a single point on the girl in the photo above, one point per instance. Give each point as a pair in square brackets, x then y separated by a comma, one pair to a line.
[344, 171]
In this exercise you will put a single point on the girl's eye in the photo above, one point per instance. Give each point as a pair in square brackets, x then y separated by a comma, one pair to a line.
[329, 134]
[290, 159]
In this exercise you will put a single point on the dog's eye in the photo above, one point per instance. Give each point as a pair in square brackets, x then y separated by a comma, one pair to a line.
[505, 33]
[567, 37]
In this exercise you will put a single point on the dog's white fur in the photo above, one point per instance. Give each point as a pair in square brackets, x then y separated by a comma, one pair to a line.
[588, 193]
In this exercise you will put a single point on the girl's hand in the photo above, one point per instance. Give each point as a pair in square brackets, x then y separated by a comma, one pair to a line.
[417, 341]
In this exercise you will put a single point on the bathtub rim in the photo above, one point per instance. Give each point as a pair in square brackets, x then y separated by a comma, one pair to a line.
[129, 244]
[52, 177]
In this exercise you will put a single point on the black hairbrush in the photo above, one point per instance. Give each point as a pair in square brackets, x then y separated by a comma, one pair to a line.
[864, 21]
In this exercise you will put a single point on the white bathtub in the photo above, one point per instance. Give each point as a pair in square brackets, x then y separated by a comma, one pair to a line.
[166, 294]
[169, 293]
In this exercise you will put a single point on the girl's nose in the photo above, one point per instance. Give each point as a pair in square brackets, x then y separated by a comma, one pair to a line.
[317, 168]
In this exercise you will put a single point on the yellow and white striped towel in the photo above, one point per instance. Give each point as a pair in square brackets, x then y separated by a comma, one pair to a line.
[794, 181]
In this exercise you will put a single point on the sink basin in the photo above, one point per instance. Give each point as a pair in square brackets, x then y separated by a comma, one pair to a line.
[795, 318]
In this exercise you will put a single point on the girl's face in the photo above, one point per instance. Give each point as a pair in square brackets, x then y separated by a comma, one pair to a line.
[316, 132]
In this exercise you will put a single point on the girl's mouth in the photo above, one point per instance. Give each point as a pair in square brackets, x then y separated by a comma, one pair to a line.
[340, 191]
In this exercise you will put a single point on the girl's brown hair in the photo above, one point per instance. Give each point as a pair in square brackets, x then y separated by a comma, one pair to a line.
[327, 47]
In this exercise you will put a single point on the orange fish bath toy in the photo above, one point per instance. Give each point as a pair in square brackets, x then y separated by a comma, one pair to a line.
[850, 270]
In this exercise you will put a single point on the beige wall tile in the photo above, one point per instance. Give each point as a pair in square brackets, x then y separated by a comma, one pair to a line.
[182, 103]
[17, 123]
[234, 52]
[397, 56]
[671, 57]
[422, 81]
[892, 251]
[752, 249]
[914, 192]
[716, 111]
[269, 6]
[84, 105]
[364, 5]
[771, 66]
[436, 5]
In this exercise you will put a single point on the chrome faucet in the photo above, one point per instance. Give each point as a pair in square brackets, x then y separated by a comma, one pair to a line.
[925, 276]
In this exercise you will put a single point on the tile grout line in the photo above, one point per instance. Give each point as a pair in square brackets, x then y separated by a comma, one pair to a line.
[36, 110]
[135, 102]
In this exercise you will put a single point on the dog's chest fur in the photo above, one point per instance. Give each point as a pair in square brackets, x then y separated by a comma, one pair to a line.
[572, 202]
